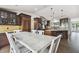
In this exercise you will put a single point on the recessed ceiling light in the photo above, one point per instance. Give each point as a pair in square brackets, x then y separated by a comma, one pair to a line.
[36, 9]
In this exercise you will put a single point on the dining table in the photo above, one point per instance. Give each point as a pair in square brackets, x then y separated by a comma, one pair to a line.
[34, 42]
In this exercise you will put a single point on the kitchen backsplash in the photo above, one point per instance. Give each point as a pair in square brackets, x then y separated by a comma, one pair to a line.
[9, 28]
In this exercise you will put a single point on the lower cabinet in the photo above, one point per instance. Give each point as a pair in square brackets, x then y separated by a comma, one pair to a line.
[56, 33]
[3, 40]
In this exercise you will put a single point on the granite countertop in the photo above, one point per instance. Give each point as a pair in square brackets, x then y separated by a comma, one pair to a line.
[56, 30]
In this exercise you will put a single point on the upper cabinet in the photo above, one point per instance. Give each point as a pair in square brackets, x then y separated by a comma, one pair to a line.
[18, 21]
[37, 23]
[64, 22]
[7, 17]
[25, 22]
[40, 23]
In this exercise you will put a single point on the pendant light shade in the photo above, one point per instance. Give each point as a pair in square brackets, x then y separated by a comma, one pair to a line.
[54, 22]
[53, 19]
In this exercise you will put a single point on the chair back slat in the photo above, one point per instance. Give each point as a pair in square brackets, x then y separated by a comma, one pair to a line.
[13, 47]
[54, 44]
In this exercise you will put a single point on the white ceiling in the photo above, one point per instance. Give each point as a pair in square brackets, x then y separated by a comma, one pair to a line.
[25, 8]
[68, 11]
[71, 11]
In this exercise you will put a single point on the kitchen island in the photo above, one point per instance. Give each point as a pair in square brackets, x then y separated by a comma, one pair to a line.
[56, 32]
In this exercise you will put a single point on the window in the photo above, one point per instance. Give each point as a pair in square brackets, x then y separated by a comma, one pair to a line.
[75, 26]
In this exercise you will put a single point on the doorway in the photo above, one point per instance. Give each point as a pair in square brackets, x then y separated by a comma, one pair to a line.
[74, 42]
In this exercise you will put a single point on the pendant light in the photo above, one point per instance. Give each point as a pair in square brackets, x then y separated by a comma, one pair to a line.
[54, 20]
[62, 15]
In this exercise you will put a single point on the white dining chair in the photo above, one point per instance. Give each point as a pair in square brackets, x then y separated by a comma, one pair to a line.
[16, 47]
[54, 45]
[41, 32]
[33, 31]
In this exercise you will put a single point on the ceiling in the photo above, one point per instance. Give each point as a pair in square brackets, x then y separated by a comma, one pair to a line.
[71, 11]
[25, 8]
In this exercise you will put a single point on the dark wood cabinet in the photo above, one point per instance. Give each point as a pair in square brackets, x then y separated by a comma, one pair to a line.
[3, 40]
[48, 23]
[25, 21]
[64, 21]
[18, 20]
[7, 17]
[37, 23]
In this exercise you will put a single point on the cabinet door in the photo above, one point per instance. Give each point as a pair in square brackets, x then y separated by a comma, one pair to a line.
[37, 23]
[18, 21]
[26, 24]
[0, 41]
[3, 40]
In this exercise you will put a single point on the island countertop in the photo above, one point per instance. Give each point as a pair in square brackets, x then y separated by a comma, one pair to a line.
[56, 30]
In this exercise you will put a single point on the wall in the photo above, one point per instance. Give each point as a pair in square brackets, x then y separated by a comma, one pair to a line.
[75, 20]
